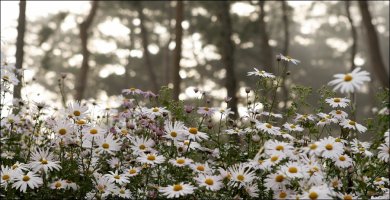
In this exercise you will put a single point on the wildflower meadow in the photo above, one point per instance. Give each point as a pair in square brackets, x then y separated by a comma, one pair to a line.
[153, 147]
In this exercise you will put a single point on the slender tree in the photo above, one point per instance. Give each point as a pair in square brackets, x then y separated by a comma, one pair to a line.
[19, 47]
[177, 53]
[264, 38]
[227, 52]
[84, 27]
[354, 35]
[373, 45]
[145, 44]
[285, 48]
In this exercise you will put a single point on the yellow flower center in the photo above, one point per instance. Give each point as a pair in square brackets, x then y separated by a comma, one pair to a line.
[26, 178]
[268, 125]
[342, 158]
[282, 195]
[117, 177]
[93, 131]
[240, 177]
[6, 78]
[80, 122]
[313, 146]
[352, 123]
[293, 170]
[378, 179]
[44, 161]
[336, 100]
[76, 113]
[279, 178]
[274, 158]
[105, 145]
[142, 147]
[313, 195]
[193, 131]
[62, 131]
[206, 108]
[209, 181]
[337, 140]
[5, 177]
[156, 109]
[132, 89]
[180, 161]
[347, 197]
[58, 184]
[173, 134]
[348, 78]
[122, 191]
[293, 126]
[279, 148]
[338, 112]
[329, 147]
[132, 171]
[200, 168]
[177, 188]
[151, 157]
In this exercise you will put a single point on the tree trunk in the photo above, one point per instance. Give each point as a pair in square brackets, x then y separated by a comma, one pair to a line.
[19, 48]
[267, 54]
[84, 27]
[285, 50]
[177, 53]
[354, 36]
[145, 44]
[373, 45]
[227, 52]
[166, 51]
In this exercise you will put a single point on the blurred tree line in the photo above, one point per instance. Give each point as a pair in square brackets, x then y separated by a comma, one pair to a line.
[205, 44]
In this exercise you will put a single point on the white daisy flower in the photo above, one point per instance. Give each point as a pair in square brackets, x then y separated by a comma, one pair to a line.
[23, 181]
[141, 144]
[201, 168]
[361, 147]
[293, 127]
[241, 175]
[133, 171]
[132, 91]
[282, 194]
[261, 73]
[343, 161]
[123, 193]
[41, 159]
[268, 128]
[330, 148]
[349, 82]
[292, 170]
[252, 190]
[317, 192]
[384, 152]
[93, 131]
[58, 184]
[108, 144]
[273, 147]
[174, 130]
[347, 196]
[151, 159]
[7, 175]
[157, 111]
[289, 59]
[63, 128]
[104, 186]
[235, 131]
[180, 161]
[276, 115]
[182, 147]
[195, 135]
[276, 181]
[213, 183]
[350, 124]
[117, 178]
[206, 111]
[339, 114]
[326, 119]
[337, 102]
[177, 190]
[274, 159]
[305, 117]
[77, 110]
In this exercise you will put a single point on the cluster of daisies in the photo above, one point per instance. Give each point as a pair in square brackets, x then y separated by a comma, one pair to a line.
[143, 150]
